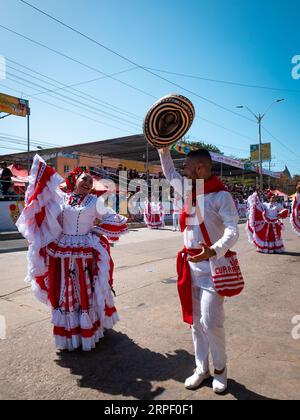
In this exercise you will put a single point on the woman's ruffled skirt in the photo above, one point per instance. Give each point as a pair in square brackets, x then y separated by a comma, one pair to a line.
[78, 287]
[267, 237]
[154, 221]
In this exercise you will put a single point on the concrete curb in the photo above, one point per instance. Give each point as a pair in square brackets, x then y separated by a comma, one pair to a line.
[7, 236]
[9, 250]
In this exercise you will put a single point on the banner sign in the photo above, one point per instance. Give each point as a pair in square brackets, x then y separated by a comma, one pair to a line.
[266, 152]
[14, 106]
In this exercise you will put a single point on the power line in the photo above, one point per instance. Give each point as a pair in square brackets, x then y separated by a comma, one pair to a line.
[70, 111]
[126, 59]
[280, 142]
[91, 80]
[223, 81]
[12, 148]
[96, 100]
[25, 138]
[76, 61]
[211, 122]
[199, 118]
[218, 125]
[129, 60]
[227, 129]
[38, 142]
[70, 101]
[117, 54]
[24, 141]
[204, 119]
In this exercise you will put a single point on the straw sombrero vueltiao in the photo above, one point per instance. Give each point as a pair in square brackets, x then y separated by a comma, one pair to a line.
[168, 120]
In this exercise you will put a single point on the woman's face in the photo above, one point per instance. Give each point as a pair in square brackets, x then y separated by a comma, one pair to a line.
[84, 184]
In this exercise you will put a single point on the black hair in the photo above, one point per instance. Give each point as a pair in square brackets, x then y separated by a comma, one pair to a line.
[200, 154]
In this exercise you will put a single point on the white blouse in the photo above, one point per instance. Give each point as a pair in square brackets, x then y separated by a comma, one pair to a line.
[79, 219]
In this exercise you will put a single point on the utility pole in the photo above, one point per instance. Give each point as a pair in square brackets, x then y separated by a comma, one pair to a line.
[259, 119]
[261, 180]
[28, 140]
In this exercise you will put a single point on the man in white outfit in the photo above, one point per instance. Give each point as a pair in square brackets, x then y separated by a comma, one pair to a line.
[177, 209]
[221, 222]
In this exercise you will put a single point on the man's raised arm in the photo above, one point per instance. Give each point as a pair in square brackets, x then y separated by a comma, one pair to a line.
[175, 179]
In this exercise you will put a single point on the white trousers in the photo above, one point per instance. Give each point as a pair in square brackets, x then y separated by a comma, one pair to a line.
[208, 329]
[176, 221]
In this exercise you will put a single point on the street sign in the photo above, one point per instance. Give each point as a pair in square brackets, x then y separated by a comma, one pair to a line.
[14, 106]
[266, 152]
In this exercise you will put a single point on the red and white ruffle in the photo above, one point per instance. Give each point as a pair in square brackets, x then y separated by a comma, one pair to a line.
[38, 221]
[295, 215]
[112, 227]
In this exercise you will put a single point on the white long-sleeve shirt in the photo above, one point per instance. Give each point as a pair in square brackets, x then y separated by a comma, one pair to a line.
[220, 217]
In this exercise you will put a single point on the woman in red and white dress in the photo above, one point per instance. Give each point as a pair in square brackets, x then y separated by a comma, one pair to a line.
[69, 263]
[154, 215]
[264, 225]
[295, 214]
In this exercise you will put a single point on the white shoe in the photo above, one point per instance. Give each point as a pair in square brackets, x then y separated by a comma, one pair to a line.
[220, 382]
[194, 381]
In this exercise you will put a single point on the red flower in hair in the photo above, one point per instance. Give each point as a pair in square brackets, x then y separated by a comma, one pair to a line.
[73, 176]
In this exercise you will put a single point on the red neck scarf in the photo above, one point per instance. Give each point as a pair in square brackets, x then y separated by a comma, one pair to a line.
[211, 185]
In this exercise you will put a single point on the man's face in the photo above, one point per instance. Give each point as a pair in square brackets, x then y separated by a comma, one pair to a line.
[196, 168]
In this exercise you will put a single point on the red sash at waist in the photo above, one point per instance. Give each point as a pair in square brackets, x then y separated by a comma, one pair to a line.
[184, 283]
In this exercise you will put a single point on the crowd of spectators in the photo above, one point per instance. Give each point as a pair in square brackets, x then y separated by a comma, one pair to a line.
[240, 192]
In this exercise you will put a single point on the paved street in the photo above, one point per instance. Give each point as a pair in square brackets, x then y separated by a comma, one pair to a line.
[149, 354]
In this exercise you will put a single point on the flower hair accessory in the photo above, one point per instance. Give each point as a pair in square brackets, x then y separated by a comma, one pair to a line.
[73, 176]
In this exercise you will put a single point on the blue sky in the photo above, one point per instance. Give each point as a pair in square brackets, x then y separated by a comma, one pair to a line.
[242, 41]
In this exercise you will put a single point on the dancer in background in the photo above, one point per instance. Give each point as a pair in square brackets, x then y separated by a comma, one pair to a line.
[177, 209]
[295, 215]
[154, 214]
[69, 263]
[264, 224]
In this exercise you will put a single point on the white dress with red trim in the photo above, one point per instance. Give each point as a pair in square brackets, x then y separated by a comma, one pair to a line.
[154, 216]
[255, 211]
[70, 267]
[265, 227]
[295, 215]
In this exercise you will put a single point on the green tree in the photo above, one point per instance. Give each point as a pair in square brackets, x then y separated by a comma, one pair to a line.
[203, 145]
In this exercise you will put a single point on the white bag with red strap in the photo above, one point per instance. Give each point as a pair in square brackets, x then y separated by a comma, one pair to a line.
[226, 273]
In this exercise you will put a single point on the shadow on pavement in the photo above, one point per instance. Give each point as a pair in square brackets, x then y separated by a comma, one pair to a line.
[291, 254]
[240, 392]
[120, 367]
